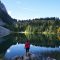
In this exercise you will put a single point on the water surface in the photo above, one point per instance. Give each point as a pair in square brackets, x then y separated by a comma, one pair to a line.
[39, 42]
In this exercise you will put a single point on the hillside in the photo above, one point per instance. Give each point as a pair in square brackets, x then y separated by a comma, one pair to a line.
[6, 21]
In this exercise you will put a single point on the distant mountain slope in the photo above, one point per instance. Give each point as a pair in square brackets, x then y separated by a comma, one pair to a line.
[4, 15]
[1, 23]
[2, 7]
[4, 31]
[6, 21]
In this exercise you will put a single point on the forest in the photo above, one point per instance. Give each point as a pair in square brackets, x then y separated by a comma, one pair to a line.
[40, 25]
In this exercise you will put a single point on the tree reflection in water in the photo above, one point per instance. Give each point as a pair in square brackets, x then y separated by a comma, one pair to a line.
[50, 40]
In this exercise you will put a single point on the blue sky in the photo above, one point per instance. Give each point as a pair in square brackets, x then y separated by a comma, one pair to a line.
[29, 9]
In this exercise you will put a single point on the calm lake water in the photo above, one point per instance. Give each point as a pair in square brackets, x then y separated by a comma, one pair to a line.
[13, 45]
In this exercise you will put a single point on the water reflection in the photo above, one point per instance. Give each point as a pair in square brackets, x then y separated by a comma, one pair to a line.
[44, 40]
[50, 40]
[18, 50]
[58, 36]
[35, 39]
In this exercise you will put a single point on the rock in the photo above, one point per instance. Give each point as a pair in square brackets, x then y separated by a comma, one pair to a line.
[30, 56]
[27, 56]
[4, 31]
[1, 22]
[2, 7]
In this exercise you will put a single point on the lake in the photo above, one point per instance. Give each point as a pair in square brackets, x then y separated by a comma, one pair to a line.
[46, 45]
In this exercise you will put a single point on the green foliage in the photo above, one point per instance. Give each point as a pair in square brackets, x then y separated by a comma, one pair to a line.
[49, 25]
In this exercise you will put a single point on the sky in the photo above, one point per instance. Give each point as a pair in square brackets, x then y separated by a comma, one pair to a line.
[30, 9]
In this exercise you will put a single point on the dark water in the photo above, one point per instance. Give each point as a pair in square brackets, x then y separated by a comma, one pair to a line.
[39, 43]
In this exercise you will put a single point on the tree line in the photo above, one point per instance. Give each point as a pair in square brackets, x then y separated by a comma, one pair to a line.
[49, 25]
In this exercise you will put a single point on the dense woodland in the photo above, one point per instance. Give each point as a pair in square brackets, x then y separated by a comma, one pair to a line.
[49, 25]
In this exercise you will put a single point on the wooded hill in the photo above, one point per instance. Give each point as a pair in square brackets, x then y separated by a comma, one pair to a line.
[51, 24]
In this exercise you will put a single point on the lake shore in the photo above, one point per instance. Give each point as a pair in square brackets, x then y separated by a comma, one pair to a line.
[30, 56]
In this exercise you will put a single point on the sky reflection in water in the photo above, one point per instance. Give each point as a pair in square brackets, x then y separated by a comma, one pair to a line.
[19, 50]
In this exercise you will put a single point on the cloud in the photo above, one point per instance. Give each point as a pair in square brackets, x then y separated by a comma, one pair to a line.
[9, 12]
